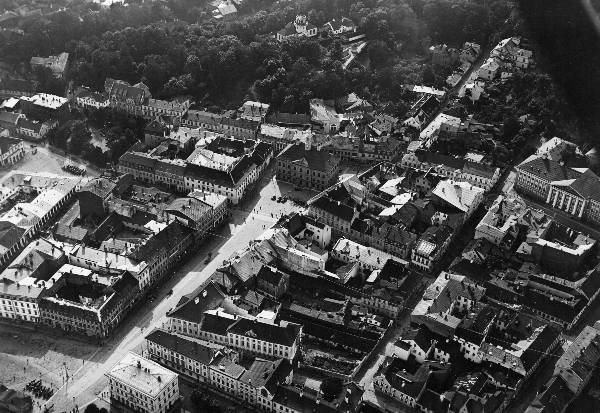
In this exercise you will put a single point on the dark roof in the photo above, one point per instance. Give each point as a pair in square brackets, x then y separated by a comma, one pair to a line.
[187, 347]
[10, 234]
[100, 187]
[7, 142]
[156, 128]
[217, 177]
[301, 401]
[266, 332]
[315, 159]
[554, 399]
[19, 85]
[337, 209]
[70, 232]
[191, 307]
[250, 125]
[138, 159]
[203, 116]
[439, 159]
[539, 347]
[269, 274]
[10, 117]
[190, 208]
[423, 337]
[261, 153]
[392, 269]
[549, 170]
[289, 119]
[216, 324]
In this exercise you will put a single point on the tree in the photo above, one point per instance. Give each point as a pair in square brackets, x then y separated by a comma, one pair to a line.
[331, 387]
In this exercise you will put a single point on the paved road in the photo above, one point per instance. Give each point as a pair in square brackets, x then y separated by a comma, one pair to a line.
[244, 227]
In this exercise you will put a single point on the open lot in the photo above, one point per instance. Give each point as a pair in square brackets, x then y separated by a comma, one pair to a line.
[31, 355]
[44, 160]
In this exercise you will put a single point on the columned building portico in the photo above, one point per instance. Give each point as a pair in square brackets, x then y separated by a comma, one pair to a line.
[566, 201]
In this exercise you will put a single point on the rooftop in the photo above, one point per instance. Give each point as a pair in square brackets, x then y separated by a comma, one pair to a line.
[141, 374]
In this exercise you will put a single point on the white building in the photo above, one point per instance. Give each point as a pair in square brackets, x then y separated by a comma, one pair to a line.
[300, 27]
[143, 385]
[489, 70]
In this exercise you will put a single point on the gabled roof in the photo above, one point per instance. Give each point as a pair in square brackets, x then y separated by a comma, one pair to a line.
[547, 169]
[335, 208]
[460, 195]
[7, 142]
[186, 346]
[191, 307]
[315, 159]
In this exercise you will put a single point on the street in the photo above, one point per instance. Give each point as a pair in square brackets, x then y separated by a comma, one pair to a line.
[245, 225]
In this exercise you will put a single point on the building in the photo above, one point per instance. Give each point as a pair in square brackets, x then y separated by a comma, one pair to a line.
[80, 301]
[307, 168]
[254, 111]
[367, 258]
[500, 224]
[339, 26]
[577, 364]
[12, 150]
[263, 338]
[462, 196]
[86, 98]
[324, 118]
[44, 106]
[143, 385]
[34, 129]
[299, 27]
[431, 246]
[255, 384]
[570, 189]
[17, 88]
[13, 401]
[489, 70]
[56, 64]
[281, 136]
[448, 293]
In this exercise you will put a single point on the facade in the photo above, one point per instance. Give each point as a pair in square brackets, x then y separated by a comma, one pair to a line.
[86, 98]
[431, 246]
[266, 339]
[307, 168]
[143, 385]
[17, 88]
[572, 190]
[79, 301]
[34, 129]
[12, 150]
[300, 27]
[256, 385]
[57, 64]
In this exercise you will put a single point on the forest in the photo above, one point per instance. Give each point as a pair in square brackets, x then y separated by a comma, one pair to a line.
[176, 48]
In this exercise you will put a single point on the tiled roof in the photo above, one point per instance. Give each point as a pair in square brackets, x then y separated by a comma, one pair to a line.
[192, 306]
[10, 234]
[439, 159]
[186, 346]
[334, 208]
[101, 187]
[190, 208]
[315, 159]
[547, 169]
[215, 323]
[19, 85]
[7, 142]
